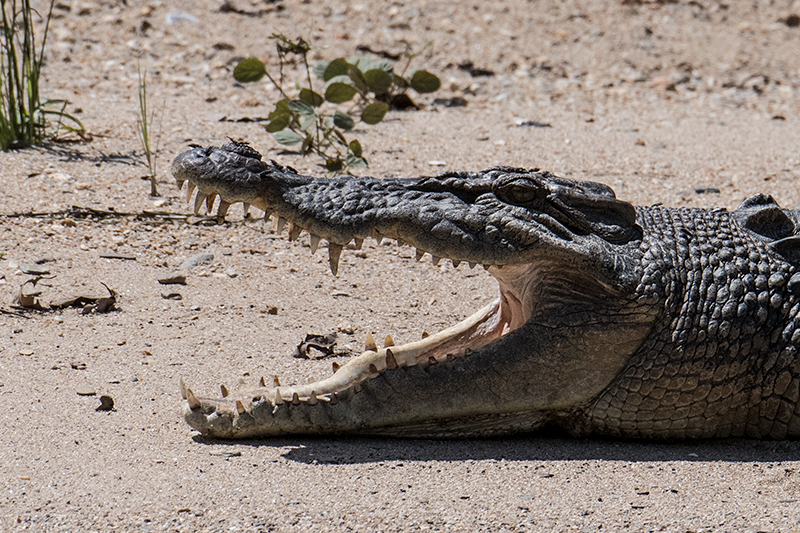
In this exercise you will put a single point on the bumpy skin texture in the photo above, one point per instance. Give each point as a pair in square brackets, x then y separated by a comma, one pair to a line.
[646, 322]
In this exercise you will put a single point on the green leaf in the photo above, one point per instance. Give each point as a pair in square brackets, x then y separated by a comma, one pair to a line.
[340, 137]
[353, 161]
[355, 147]
[307, 142]
[378, 80]
[334, 165]
[300, 107]
[338, 93]
[281, 108]
[319, 68]
[278, 123]
[358, 79]
[374, 112]
[365, 63]
[343, 120]
[311, 98]
[337, 67]
[287, 137]
[249, 70]
[424, 82]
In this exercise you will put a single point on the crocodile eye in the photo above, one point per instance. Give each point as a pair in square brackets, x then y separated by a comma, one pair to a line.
[520, 192]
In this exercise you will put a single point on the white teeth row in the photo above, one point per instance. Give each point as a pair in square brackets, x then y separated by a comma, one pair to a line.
[334, 250]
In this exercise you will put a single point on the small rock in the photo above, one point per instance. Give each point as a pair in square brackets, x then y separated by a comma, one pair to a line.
[339, 293]
[272, 309]
[793, 21]
[26, 352]
[706, 190]
[345, 328]
[106, 403]
[78, 366]
[86, 392]
[437, 163]
[172, 296]
[173, 279]
[231, 272]
[196, 260]
[195, 308]
[34, 269]
[526, 123]
[455, 101]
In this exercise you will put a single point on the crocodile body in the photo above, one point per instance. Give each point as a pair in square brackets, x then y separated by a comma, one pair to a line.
[633, 322]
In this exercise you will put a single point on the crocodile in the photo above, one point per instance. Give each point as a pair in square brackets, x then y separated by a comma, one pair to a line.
[646, 322]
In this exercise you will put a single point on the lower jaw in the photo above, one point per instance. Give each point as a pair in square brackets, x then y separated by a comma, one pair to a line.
[468, 335]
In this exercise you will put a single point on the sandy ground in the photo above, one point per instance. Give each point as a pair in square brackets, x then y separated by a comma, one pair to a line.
[657, 99]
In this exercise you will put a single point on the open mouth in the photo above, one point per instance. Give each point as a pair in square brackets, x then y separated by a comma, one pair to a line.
[511, 310]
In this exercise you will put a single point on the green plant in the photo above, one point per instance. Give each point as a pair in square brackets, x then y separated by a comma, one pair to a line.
[356, 90]
[143, 128]
[24, 119]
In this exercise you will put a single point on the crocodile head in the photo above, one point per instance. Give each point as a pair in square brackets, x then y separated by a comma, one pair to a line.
[568, 318]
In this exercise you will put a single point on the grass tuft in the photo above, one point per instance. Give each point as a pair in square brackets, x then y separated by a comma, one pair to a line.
[24, 118]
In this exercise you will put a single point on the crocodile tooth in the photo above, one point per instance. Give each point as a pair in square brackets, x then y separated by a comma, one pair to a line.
[240, 407]
[334, 253]
[313, 240]
[334, 398]
[472, 265]
[425, 334]
[210, 202]
[224, 390]
[262, 382]
[183, 389]
[388, 342]
[180, 183]
[198, 202]
[278, 399]
[295, 399]
[358, 243]
[280, 222]
[432, 360]
[455, 263]
[276, 381]
[373, 371]
[194, 403]
[401, 242]
[357, 388]
[336, 366]
[294, 231]
[370, 345]
[391, 362]
[222, 210]
[420, 253]
[312, 400]
[435, 259]
[190, 191]
[245, 209]
[267, 214]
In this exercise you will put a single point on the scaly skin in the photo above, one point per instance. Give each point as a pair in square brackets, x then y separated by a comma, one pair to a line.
[644, 322]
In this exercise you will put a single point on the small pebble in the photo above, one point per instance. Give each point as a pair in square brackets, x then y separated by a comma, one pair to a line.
[197, 259]
[86, 392]
[106, 403]
[173, 279]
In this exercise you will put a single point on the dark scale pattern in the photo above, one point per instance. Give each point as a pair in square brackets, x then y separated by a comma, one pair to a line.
[722, 360]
